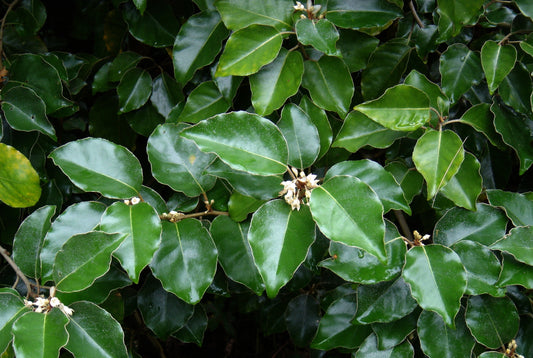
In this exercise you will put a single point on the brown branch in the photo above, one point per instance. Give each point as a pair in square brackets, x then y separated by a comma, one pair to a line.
[9, 8]
[175, 217]
[403, 224]
[17, 270]
[415, 15]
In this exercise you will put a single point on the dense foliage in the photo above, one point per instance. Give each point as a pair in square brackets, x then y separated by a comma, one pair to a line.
[266, 178]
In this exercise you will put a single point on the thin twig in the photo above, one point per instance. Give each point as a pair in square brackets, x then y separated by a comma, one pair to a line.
[403, 224]
[9, 8]
[415, 15]
[15, 268]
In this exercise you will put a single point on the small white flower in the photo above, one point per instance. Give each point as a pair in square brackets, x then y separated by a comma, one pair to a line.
[135, 200]
[66, 310]
[55, 302]
[299, 6]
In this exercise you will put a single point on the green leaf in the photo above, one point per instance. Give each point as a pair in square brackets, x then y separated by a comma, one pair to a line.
[348, 211]
[401, 108]
[525, 7]
[352, 264]
[140, 5]
[29, 238]
[237, 14]
[24, 110]
[177, 161]
[486, 225]
[156, 26]
[12, 308]
[335, 328]
[511, 127]
[162, 311]
[461, 13]
[301, 318]
[482, 268]
[438, 155]
[320, 119]
[385, 68]
[249, 49]
[481, 119]
[83, 258]
[40, 335]
[243, 140]
[166, 93]
[375, 176]
[88, 339]
[143, 228]
[276, 82]
[329, 83]
[518, 244]
[491, 355]
[197, 44]
[235, 254]
[497, 61]
[203, 102]
[19, 182]
[465, 186]
[122, 64]
[239, 206]
[383, 302]
[356, 48]
[301, 135]
[492, 321]
[358, 15]
[437, 99]
[460, 68]
[439, 340]
[515, 272]
[410, 180]
[515, 89]
[393, 333]
[437, 279]
[186, 260]
[134, 90]
[321, 34]
[358, 131]
[369, 349]
[76, 219]
[280, 238]
[517, 207]
[193, 331]
[95, 164]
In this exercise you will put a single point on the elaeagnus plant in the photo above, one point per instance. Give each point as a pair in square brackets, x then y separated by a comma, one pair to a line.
[266, 178]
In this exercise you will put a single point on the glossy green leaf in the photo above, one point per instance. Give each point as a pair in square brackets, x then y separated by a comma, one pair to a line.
[461, 13]
[95, 164]
[194, 329]
[88, 339]
[357, 15]
[348, 211]
[358, 131]
[197, 44]
[437, 279]
[518, 244]
[511, 127]
[177, 161]
[76, 219]
[320, 119]
[352, 264]
[140, 5]
[203, 102]
[19, 182]
[356, 48]
[492, 355]
[525, 7]
[239, 206]
[438, 155]
[486, 225]
[401, 108]
[24, 110]
[329, 83]
[437, 99]
[243, 140]
[227, 85]
[517, 207]
[143, 228]
[29, 238]
[482, 268]
[385, 67]
[235, 254]
[301, 318]
[237, 14]
[384, 302]
[124, 62]
[481, 119]
[375, 176]
[515, 272]
[186, 260]
[321, 34]
[515, 89]
[280, 238]
[439, 340]
[166, 93]
[276, 82]
[249, 49]
[369, 349]
[156, 26]
[162, 311]
[12, 308]
[83, 258]
[410, 180]
[40, 335]
[492, 321]
[497, 61]
[134, 90]
[393, 333]
[465, 186]
[335, 328]
[301, 135]
[460, 68]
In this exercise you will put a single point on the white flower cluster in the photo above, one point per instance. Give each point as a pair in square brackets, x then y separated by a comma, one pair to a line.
[172, 216]
[511, 348]
[45, 305]
[133, 201]
[299, 189]
[311, 9]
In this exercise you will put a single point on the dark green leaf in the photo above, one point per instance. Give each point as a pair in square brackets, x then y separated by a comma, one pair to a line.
[134, 90]
[166, 93]
[518, 244]
[460, 68]
[12, 308]
[517, 207]
[143, 121]
[237, 14]
[194, 329]
[320, 34]
[239, 206]
[356, 48]
[301, 318]
[515, 272]
[461, 13]
[369, 349]
[360, 15]
[515, 89]
[497, 62]
[437, 99]
[320, 119]
[481, 119]
[393, 333]
[122, 64]
[203, 102]
[525, 7]
[465, 186]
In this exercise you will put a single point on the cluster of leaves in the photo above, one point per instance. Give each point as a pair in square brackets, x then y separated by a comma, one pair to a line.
[142, 179]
